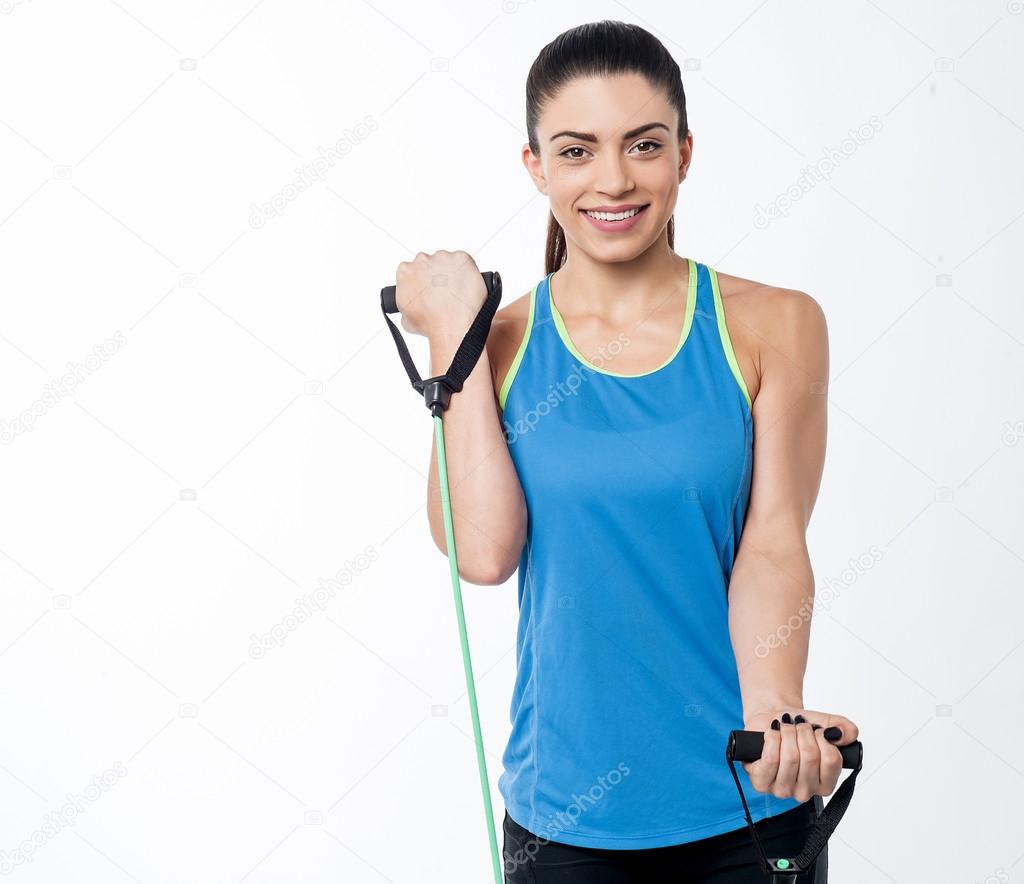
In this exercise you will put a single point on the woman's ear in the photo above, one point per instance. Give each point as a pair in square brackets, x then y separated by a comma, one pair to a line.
[535, 169]
[685, 155]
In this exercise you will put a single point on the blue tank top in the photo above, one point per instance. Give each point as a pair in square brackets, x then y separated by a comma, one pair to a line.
[637, 489]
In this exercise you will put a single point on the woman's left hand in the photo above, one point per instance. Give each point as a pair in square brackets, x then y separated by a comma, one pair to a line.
[799, 760]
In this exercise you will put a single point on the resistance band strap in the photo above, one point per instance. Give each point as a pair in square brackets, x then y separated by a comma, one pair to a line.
[825, 826]
[437, 390]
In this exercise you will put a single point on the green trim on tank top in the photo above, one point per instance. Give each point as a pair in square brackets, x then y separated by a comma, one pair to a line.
[723, 331]
[691, 303]
[520, 353]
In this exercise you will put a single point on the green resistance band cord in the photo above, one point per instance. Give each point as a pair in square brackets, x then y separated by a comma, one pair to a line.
[449, 533]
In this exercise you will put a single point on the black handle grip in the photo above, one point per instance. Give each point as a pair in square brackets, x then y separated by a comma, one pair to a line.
[387, 299]
[437, 391]
[747, 745]
[388, 294]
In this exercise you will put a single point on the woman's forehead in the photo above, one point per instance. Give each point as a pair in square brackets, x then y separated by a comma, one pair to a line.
[605, 106]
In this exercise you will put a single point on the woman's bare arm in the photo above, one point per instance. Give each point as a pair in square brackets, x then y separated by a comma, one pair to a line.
[771, 591]
[488, 505]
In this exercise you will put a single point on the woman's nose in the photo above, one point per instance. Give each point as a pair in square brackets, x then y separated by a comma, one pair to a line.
[612, 174]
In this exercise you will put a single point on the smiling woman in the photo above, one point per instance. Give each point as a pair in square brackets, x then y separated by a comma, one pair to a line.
[642, 583]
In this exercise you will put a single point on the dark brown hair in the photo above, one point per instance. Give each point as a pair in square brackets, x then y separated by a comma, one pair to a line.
[597, 49]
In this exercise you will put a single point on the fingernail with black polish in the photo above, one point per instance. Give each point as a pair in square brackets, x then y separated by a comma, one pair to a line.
[815, 727]
[775, 724]
[799, 720]
[786, 719]
[832, 733]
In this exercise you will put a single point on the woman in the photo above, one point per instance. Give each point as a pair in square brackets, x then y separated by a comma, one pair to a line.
[619, 478]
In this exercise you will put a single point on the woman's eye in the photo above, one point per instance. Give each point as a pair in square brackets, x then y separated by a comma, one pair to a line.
[654, 145]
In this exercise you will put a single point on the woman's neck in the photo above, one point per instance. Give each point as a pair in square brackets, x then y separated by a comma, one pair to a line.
[620, 291]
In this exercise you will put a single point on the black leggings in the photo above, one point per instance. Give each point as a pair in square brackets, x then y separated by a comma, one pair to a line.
[728, 858]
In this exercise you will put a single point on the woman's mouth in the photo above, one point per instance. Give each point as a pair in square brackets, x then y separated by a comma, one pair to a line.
[614, 222]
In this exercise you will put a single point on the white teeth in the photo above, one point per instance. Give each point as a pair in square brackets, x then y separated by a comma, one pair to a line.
[609, 216]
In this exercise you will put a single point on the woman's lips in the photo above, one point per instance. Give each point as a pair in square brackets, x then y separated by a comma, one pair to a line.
[616, 226]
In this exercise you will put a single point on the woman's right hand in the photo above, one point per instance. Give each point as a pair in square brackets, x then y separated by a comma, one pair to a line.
[440, 293]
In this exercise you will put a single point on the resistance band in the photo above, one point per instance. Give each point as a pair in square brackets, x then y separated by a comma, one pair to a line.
[437, 392]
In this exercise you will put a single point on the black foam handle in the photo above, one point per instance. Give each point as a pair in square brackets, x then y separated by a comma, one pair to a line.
[747, 745]
[387, 299]
[389, 292]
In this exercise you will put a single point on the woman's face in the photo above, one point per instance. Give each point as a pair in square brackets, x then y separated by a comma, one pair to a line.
[610, 141]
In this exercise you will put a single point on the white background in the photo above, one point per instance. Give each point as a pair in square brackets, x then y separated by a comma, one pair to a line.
[249, 432]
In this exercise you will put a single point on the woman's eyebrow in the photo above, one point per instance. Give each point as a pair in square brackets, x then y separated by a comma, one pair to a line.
[590, 136]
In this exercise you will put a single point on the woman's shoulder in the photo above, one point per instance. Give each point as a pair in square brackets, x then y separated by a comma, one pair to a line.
[763, 302]
[765, 320]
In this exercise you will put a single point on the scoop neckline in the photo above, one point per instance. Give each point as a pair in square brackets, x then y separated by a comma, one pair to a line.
[684, 334]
